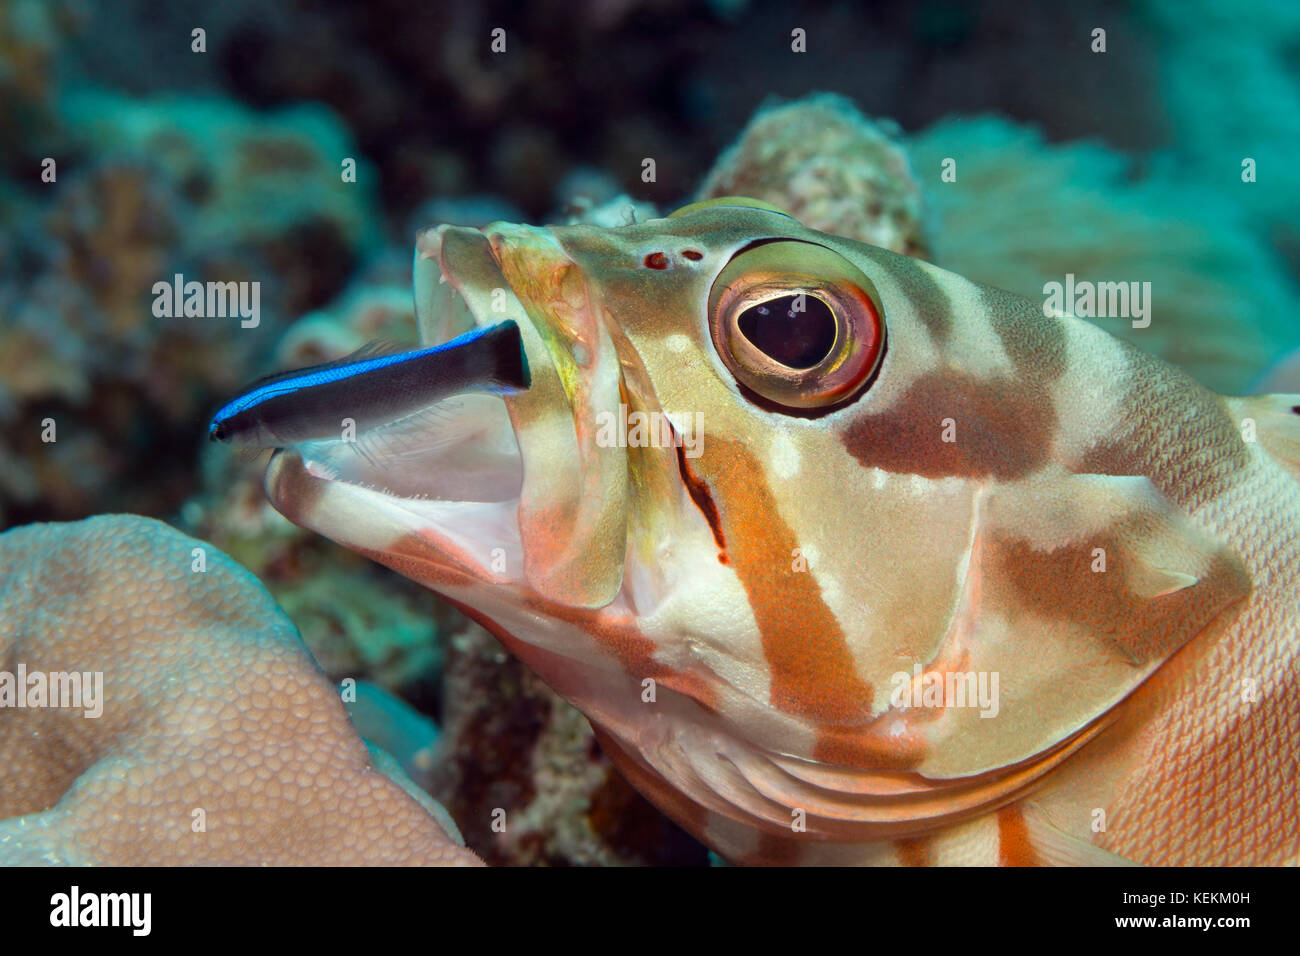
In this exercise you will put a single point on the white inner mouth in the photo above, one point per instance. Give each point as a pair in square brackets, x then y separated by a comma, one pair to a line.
[454, 467]
[459, 449]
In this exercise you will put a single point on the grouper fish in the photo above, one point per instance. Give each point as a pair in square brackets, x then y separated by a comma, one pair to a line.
[946, 580]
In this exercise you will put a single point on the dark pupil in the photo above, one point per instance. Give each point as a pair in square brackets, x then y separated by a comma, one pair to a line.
[796, 339]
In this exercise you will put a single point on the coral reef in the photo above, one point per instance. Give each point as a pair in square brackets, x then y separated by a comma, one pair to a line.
[265, 188]
[143, 191]
[523, 776]
[831, 168]
[31, 35]
[218, 739]
[225, 166]
[1229, 88]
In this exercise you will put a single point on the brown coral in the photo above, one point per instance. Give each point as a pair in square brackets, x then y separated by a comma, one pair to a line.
[220, 741]
[831, 168]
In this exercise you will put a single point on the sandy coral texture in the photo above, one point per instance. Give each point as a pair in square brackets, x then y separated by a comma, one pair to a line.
[220, 742]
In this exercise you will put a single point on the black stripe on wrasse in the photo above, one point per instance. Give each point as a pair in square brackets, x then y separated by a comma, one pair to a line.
[309, 404]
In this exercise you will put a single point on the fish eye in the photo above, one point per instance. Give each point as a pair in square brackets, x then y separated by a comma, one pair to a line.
[796, 330]
[798, 326]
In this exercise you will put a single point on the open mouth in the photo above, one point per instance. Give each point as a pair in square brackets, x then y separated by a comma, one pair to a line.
[452, 473]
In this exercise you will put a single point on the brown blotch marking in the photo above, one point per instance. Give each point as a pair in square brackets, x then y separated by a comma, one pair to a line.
[1014, 848]
[812, 671]
[295, 490]
[1060, 585]
[1003, 429]
[914, 851]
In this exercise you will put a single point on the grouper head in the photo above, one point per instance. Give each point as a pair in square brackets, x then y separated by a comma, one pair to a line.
[767, 485]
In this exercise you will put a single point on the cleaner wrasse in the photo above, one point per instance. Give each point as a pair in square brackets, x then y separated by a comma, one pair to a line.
[949, 581]
[370, 389]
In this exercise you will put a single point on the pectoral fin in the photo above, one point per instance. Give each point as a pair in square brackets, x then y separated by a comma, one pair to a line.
[1051, 847]
[1079, 588]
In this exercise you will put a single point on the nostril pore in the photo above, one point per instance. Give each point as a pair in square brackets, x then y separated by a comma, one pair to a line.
[656, 260]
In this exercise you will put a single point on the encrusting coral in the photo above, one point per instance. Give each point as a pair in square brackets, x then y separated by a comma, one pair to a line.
[220, 741]
[831, 168]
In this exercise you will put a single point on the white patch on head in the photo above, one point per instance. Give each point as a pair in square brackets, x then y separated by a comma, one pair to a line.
[832, 593]
[785, 456]
[705, 615]
[973, 344]
[678, 343]
[974, 339]
[810, 552]
[1093, 388]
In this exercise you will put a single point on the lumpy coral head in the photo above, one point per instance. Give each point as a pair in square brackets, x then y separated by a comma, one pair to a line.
[220, 741]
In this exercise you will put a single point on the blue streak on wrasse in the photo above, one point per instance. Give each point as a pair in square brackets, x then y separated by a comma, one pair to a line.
[310, 404]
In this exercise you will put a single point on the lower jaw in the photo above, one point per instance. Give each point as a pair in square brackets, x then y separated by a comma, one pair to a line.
[454, 488]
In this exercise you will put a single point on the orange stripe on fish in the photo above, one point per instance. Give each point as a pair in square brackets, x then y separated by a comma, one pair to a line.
[813, 677]
[1014, 846]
